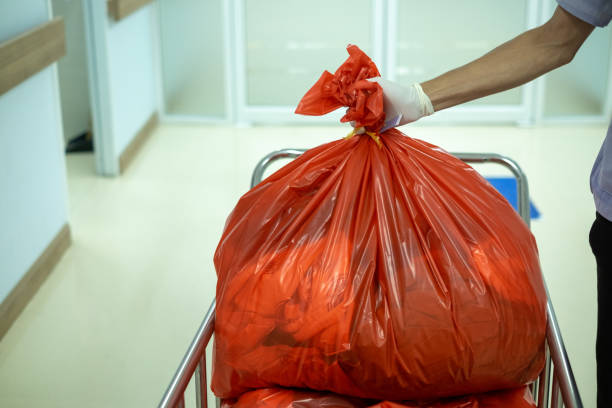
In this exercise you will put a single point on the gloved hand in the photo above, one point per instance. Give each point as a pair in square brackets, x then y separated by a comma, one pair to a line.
[409, 102]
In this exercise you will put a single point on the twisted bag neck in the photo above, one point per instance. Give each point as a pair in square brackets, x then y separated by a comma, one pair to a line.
[348, 87]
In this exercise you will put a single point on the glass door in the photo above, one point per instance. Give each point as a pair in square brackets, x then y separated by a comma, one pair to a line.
[285, 46]
[426, 39]
[252, 60]
[579, 90]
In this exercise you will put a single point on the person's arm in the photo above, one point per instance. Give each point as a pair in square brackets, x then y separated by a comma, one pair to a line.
[513, 63]
[520, 60]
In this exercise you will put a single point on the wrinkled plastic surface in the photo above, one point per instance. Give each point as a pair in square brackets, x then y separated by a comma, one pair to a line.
[285, 398]
[349, 87]
[392, 273]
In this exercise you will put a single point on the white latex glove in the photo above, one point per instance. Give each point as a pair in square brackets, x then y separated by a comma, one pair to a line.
[409, 102]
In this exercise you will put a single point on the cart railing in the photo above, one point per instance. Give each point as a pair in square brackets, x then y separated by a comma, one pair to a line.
[563, 392]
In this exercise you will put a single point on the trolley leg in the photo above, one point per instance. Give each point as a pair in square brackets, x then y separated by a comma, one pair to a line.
[544, 381]
[200, 383]
[555, 393]
[534, 389]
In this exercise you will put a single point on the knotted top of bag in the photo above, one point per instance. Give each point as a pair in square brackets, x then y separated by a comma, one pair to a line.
[348, 87]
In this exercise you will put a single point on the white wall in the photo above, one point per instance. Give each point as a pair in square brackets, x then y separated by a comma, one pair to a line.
[72, 69]
[33, 206]
[131, 74]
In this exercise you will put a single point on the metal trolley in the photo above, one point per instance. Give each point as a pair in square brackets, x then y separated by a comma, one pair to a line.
[560, 392]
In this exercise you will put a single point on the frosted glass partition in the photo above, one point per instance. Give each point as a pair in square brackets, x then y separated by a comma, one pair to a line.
[290, 42]
[193, 57]
[579, 88]
[436, 36]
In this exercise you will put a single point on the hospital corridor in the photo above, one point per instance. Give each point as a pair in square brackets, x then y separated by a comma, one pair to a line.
[375, 264]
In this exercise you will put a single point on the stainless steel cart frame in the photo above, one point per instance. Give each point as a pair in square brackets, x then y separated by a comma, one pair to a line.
[562, 392]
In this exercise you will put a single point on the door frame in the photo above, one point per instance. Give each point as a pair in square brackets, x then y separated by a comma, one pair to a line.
[96, 21]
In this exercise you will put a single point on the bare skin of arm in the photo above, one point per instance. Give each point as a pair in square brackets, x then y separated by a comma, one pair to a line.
[513, 63]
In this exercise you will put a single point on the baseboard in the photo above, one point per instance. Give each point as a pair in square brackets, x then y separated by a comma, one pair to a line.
[24, 291]
[128, 154]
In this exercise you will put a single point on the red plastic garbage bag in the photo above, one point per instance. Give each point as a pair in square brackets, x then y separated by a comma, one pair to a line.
[392, 272]
[286, 398]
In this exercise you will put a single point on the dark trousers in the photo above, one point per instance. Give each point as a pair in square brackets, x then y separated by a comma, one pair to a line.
[600, 239]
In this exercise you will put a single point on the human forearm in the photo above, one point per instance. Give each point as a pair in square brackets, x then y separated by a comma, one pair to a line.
[513, 63]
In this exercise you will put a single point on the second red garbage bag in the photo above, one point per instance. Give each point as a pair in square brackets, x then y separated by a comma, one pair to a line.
[287, 398]
[377, 266]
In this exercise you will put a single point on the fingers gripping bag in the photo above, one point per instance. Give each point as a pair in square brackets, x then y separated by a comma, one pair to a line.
[287, 398]
[376, 266]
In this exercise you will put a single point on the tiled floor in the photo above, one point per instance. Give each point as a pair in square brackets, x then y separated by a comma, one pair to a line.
[112, 322]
